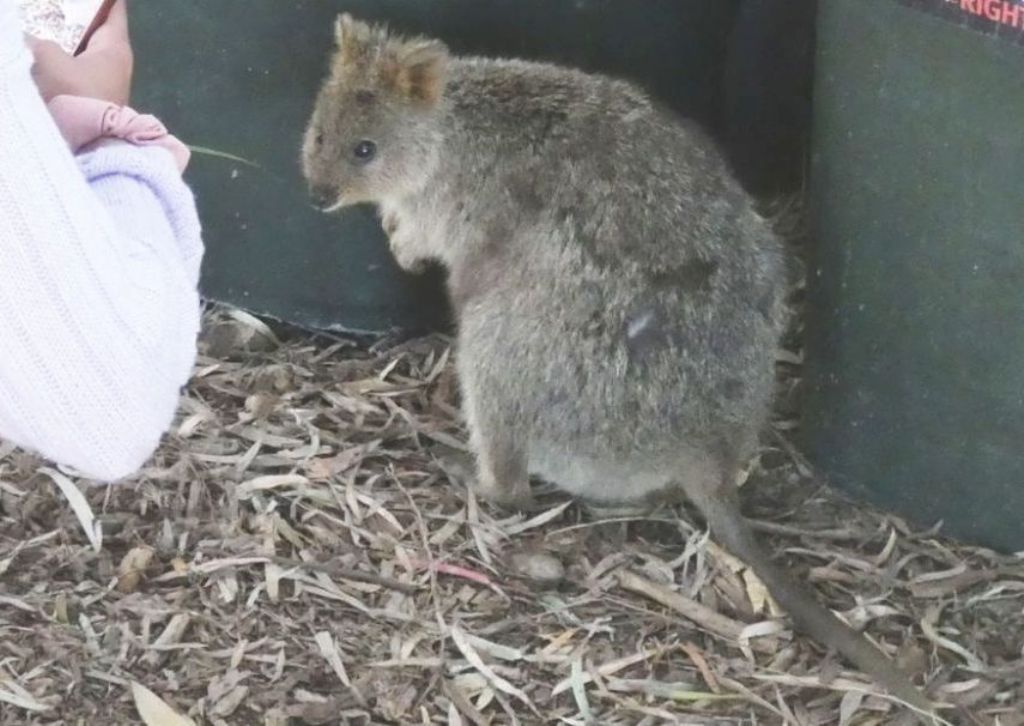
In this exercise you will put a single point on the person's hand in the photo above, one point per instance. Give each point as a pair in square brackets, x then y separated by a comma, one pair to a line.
[102, 71]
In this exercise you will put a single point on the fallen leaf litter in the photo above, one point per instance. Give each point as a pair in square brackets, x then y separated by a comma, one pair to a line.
[303, 550]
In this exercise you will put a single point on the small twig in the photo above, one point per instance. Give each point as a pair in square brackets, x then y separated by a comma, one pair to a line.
[698, 659]
[345, 573]
[805, 467]
[786, 530]
[702, 615]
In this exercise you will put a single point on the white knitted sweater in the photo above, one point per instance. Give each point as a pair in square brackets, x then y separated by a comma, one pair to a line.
[99, 262]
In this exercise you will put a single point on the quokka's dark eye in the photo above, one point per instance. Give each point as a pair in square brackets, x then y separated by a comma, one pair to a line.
[364, 151]
[319, 139]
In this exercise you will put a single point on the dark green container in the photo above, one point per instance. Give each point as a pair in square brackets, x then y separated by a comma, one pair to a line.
[915, 345]
[240, 76]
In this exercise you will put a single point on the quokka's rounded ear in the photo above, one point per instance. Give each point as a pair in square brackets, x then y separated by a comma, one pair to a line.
[421, 70]
[343, 29]
[354, 39]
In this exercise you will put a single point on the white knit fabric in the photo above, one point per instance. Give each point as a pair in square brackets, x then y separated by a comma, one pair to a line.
[99, 262]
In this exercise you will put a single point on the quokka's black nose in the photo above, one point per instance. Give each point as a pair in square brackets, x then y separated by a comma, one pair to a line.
[323, 196]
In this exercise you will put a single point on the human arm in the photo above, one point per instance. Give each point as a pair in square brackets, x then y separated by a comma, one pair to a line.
[99, 263]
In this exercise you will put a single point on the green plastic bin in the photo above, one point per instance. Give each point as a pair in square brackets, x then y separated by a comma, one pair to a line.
[915, 336]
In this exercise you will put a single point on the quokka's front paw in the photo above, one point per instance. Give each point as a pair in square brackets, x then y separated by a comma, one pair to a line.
[390, 224]
[407, 261]
[413, 266]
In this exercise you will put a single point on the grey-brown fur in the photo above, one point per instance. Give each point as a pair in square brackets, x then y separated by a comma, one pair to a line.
[619, 300]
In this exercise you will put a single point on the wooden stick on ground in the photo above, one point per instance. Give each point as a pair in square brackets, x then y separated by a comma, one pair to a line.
[708, 619]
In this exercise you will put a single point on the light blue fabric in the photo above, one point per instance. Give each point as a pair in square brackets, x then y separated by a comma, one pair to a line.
[99, 263]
